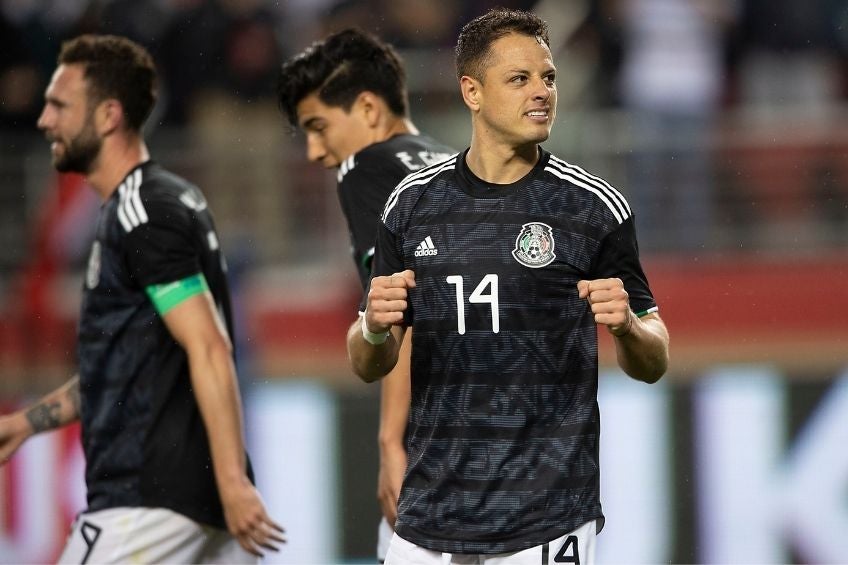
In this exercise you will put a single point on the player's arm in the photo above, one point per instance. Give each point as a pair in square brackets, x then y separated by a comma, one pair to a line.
[617, 290]
[373, 346]
[394, 413]
[191, 317]
[641, 343]
[54, 410]
[642, 351]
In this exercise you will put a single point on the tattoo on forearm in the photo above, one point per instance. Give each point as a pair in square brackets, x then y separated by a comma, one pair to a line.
[44, 416]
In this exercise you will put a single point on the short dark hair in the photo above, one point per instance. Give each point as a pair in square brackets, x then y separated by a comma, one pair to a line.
[338, 69]
[118, 68]
[473, 47]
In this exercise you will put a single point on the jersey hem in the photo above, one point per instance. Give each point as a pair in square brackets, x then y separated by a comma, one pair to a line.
[503, 545]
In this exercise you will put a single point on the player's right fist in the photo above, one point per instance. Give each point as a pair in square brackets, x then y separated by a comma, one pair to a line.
[387, 301]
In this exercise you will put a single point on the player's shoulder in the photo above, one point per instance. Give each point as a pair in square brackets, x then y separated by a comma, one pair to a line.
[402, 154]
[414, 185]
[156, 182]
[151, 193]
[592, 188]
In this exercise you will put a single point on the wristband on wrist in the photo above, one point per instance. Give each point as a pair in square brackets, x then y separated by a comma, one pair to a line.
[371, 337]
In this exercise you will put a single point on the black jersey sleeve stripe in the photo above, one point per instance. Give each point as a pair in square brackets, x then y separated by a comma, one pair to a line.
[600, 183]
[426, 174]
[620, 216]
[135, 198]
[423, 176]
[125, 220]
[346, 166]
[131, 212]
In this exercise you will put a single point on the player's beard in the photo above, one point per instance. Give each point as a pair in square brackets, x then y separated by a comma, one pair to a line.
[80, 152]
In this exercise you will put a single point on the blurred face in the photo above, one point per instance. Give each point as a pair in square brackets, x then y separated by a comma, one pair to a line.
[332, 134]
[517, 98]
[68, 123]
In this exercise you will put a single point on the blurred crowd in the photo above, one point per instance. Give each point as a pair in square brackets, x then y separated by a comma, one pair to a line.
[652, 54]
[230, 46]
[673, 67]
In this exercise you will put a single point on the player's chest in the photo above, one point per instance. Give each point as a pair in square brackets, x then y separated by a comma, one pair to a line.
[107, 276]
[504, 263]
[505, 239]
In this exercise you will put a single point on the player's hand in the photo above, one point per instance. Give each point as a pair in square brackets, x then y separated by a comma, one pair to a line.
[14, 430]
[609, 302]
[389, 480]
[248, 521]
[387, 300]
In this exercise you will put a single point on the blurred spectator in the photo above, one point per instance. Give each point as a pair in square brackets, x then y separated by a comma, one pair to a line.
[143, 21]
[193, 54]
[672, 80]
[412, 23]
[780, 39]
[30, 34]
[20, 80]
[224, 46]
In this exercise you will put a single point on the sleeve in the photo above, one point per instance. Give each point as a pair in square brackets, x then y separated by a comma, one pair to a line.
[161, 250]
[618, 256]
[363, 193]
[388, 258]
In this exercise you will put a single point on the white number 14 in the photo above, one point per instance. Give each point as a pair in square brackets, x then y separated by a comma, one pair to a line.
[477, 297]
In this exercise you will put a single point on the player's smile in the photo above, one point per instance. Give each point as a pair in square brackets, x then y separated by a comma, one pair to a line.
[540, 115]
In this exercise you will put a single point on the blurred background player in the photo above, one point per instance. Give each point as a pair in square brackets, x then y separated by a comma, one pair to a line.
[156, 391]
[348, 95]
[533, 254]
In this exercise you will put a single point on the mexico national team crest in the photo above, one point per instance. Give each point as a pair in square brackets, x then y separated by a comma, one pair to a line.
[534, 246]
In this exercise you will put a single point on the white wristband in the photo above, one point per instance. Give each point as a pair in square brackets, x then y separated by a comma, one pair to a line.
[371, 337]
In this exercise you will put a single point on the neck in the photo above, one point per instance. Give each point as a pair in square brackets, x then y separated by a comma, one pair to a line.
[500, 164]
[118, 156]
[394, 126]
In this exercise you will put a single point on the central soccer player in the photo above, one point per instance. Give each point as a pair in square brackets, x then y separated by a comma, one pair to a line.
[504, 261]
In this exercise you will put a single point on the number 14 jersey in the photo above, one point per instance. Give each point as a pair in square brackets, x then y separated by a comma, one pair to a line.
[504, 422]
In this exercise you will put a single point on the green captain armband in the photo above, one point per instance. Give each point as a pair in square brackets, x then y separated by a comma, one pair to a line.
[166, 296]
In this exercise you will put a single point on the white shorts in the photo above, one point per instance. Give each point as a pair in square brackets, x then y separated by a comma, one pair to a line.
[148, 535]
[576, 548]
[384, 538]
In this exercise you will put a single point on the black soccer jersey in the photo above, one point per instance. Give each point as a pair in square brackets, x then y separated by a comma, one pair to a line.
[368, 177]
[504, 422]
[143, 436]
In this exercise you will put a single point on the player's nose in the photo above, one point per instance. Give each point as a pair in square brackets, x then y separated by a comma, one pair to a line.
[541, 89]
[315, 150]
[44, 119]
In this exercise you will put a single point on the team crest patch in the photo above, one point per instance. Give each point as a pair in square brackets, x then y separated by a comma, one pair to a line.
[92, 275]
[534, 246]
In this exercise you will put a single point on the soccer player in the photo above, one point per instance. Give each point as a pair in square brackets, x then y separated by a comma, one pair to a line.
[348, 95]
[167, 474]
[533, 253]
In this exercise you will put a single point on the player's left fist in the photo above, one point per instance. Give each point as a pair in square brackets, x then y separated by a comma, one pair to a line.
[609, 303]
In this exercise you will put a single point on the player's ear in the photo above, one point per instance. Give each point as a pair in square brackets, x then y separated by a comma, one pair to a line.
[108, 116]
[368, 104]
[471, 92]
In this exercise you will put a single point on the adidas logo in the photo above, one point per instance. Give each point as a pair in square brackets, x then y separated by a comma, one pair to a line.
[426, 248]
